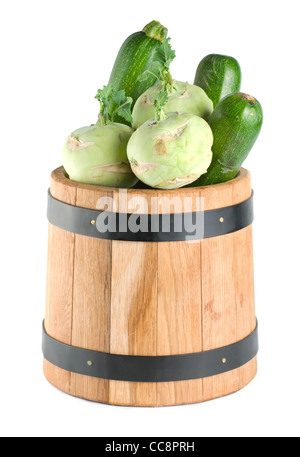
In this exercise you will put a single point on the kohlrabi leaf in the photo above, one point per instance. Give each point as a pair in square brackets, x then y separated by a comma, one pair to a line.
[165, 54]
[160, 67]
[105, 93]
[155, 70]
[161, 99]
[123, 105]
[159, 103]
[113, 102]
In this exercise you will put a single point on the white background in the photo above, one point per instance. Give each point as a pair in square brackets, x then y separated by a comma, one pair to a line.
[54, 57]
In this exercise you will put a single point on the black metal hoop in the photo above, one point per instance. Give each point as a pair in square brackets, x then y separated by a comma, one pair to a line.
[147, 368]
[206, 224]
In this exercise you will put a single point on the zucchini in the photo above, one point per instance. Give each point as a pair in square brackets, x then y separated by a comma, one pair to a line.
[218, 76]
[134, 58]
[236, 123]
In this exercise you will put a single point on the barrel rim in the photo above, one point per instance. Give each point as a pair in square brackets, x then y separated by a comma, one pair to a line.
[60, 175]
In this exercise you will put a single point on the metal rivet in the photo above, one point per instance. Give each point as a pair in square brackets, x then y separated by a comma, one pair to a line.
[224, 360]
[89, 363]
[93, 222]
[221, 220]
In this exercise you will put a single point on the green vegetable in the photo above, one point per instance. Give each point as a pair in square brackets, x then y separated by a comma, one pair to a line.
[182, 97]
[97, 154]
[236, 123]
[160, 67]
[171, 150]
[159, 104]
[218, 76]
[113, 103]
[134, 58]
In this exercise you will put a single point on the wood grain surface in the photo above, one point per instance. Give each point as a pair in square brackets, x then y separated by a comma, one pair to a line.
[136, 298]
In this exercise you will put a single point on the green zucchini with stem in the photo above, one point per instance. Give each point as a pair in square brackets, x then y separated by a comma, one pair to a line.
[134, 58]
[218, 76]
[235, 123]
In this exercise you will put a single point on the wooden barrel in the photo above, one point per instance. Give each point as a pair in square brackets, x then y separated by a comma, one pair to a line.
[139, 321]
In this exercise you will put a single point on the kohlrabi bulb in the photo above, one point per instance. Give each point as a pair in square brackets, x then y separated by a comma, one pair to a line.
[184, 97]
[171, 153]
[97, 155]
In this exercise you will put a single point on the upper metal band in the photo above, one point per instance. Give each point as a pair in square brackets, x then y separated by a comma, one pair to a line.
[150, 368]
[159, 227]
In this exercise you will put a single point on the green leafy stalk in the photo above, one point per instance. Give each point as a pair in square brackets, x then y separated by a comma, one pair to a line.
[160, 67]
[159, 103]
[113, 103]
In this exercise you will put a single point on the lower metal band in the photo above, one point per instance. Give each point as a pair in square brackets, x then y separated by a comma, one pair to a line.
[149, 368]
